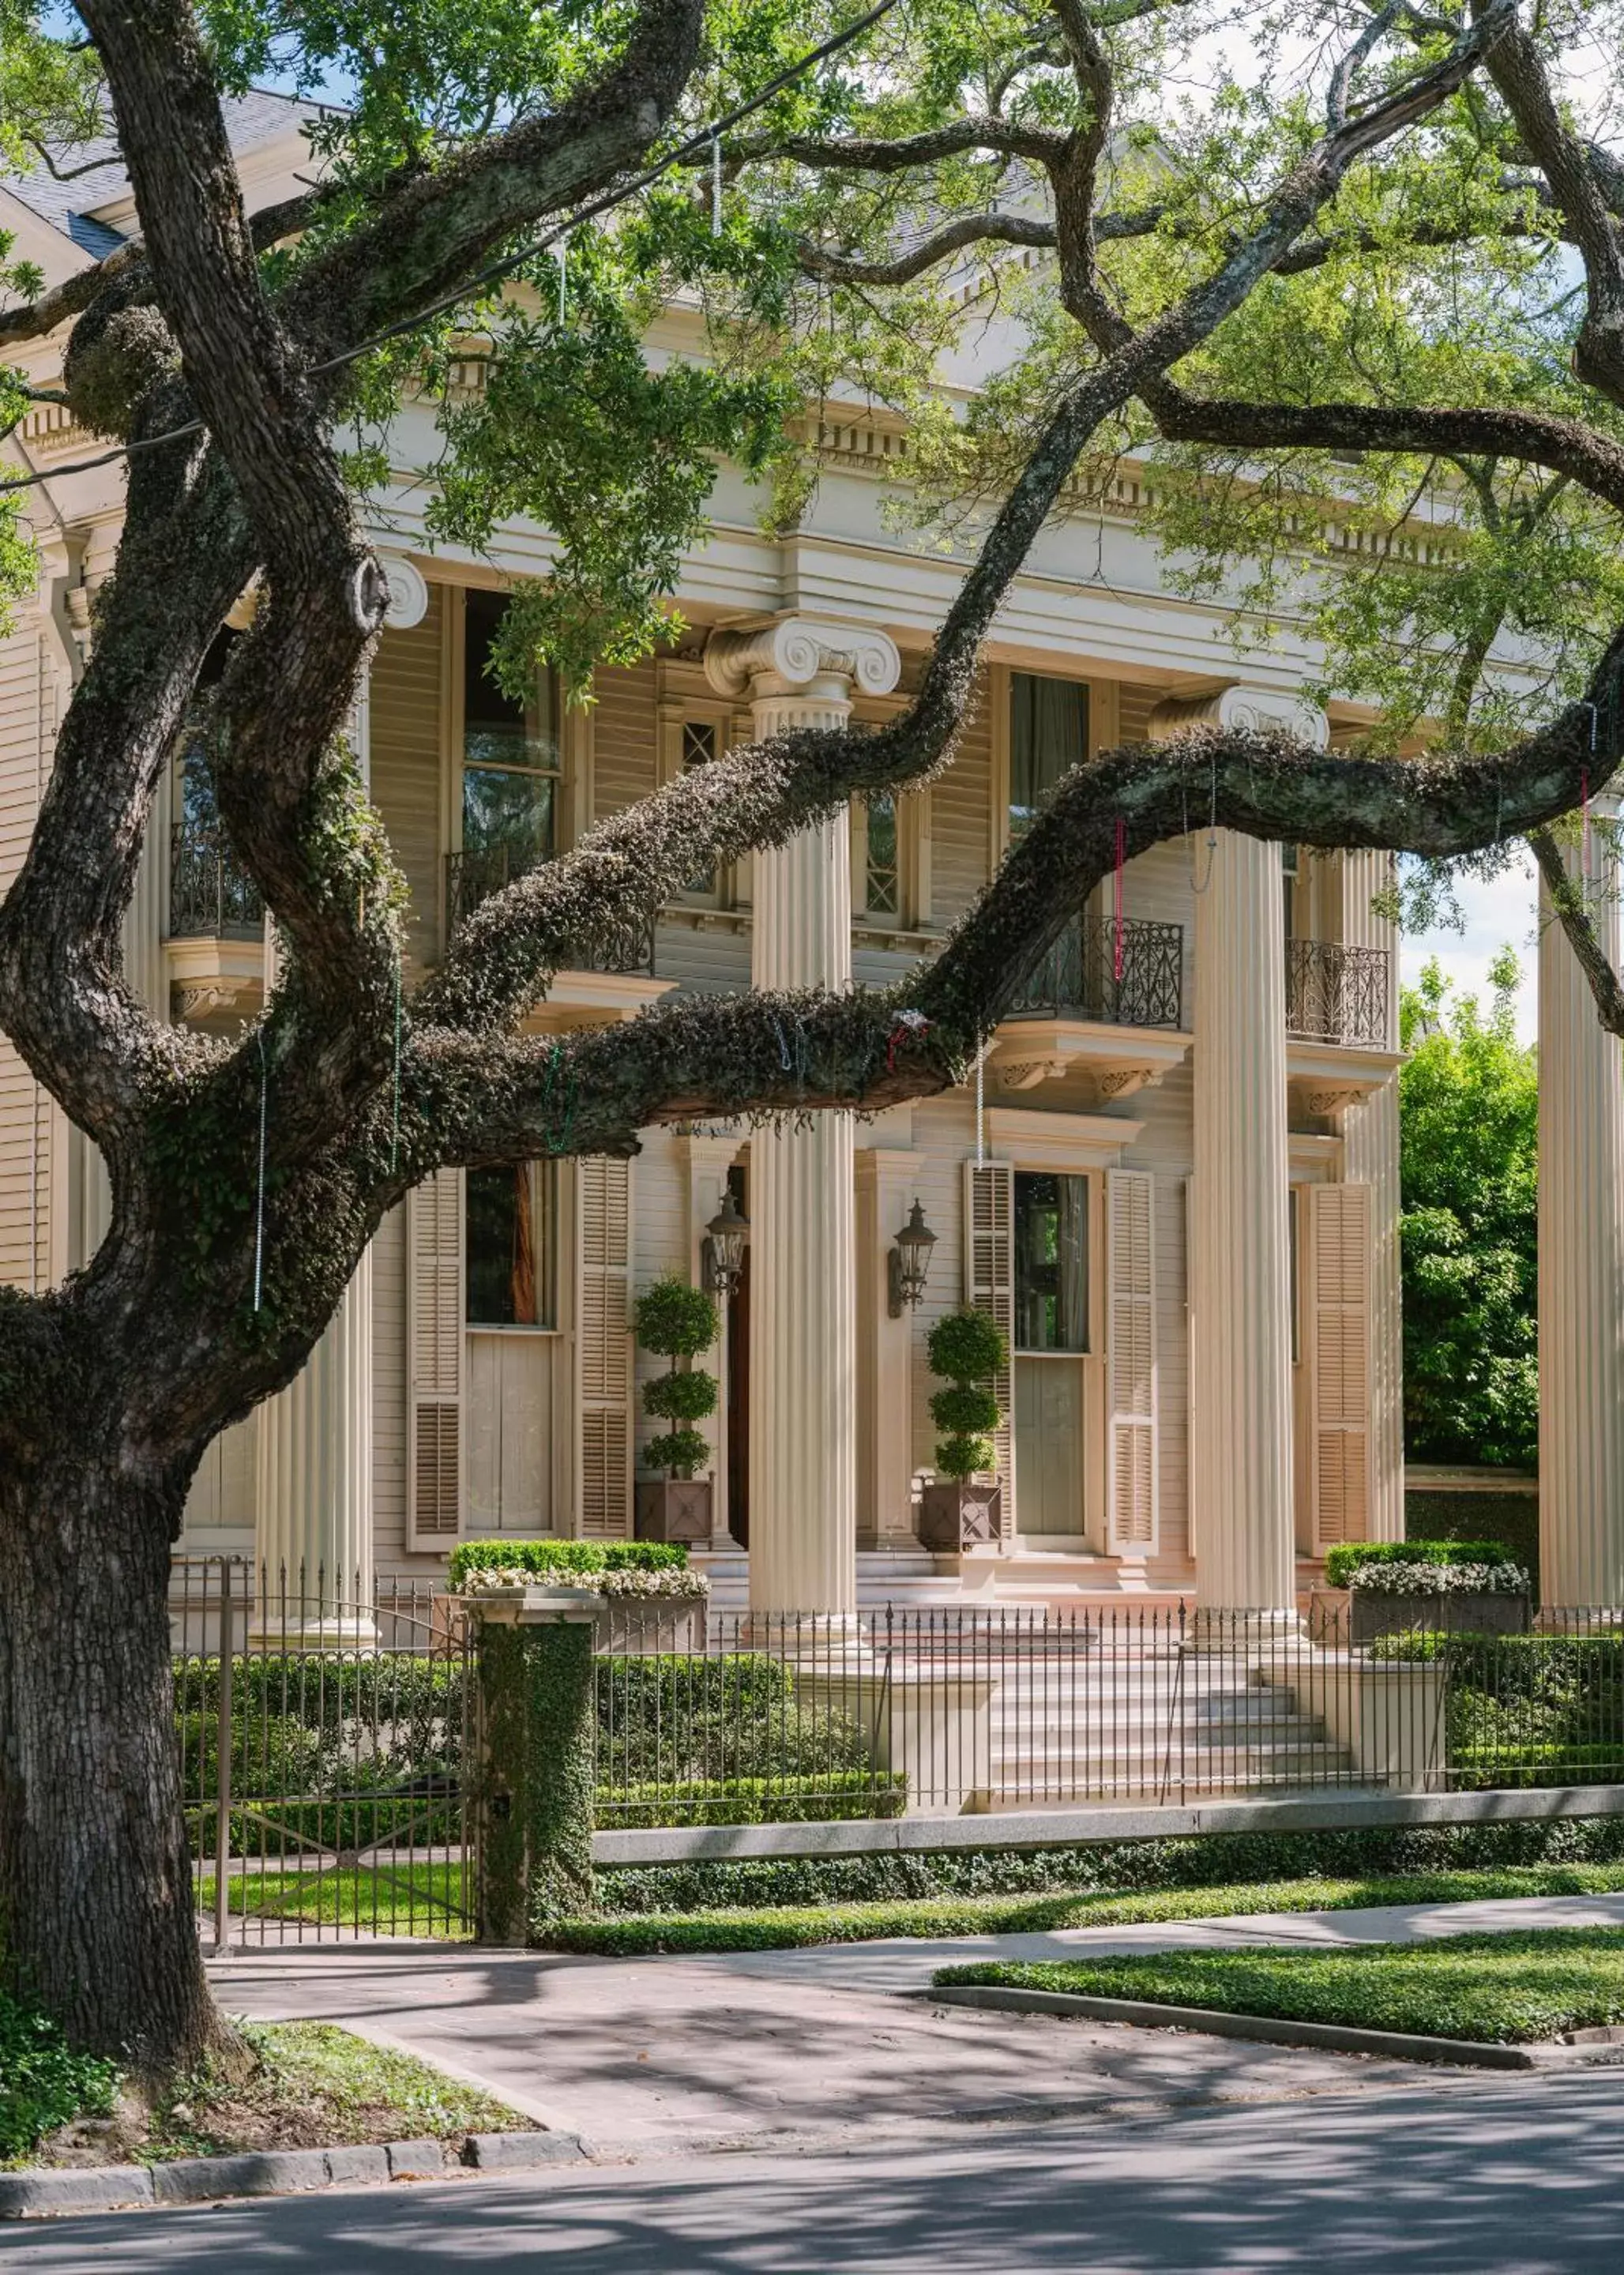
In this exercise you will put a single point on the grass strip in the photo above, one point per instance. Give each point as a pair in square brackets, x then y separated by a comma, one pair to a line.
[421, 1899]
[789, 1927]
[1509, 1989]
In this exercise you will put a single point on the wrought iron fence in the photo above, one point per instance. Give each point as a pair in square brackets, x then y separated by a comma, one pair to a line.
[472, 878]
[211, 895]
[323, 1732]
[957, 1710]
[1084, 974]
[1337, 994]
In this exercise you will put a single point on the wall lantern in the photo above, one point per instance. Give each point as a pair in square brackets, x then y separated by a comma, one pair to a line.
[723, 1253]
[910, 1261]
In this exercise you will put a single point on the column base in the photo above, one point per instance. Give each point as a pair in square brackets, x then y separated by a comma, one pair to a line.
[357, 1634]
[1217, 1627]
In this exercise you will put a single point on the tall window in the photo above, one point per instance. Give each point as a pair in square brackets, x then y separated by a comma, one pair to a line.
[1291, 880]
[883, 880]
[511, 1246]
[1048, 732]
[510, 760]
[1051, 1262]
[699, 748]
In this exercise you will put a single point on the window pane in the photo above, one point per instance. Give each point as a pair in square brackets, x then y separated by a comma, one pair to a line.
[698, 748]
[508, 814]
[1051, 1263]
[882, 894]
[510, 1216]
[498, 731]
[1048, 732]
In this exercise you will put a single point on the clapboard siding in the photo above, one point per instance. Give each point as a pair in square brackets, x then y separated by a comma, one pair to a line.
[389, 1390]
[624, 737]
[407, 764]
[961, 818]
[25, 699]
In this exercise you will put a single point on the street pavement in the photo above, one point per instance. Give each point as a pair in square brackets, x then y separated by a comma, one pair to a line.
[1520, 2177]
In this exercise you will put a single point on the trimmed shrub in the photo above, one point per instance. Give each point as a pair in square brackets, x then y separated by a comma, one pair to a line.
[551, 1557]
[836, 1794]
[967, 1348]
[678, 1322]
[671, 1719]
[1347, 1558]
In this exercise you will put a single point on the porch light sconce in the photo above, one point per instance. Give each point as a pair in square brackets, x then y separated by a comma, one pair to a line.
[722, 1256]
[910, 1261]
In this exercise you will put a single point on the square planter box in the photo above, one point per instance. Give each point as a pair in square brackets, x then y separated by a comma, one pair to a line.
[953, 1517]
[1374, 1614]
[674, 1509]
[643, 1627]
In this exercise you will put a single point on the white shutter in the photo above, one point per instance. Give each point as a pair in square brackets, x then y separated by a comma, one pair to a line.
[603, 1348]
[436, 1330]
[1133, 1499]
[989, 1286]
[1339, 1353]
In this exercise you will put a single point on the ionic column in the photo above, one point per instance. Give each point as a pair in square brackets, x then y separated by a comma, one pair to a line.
[1580, 1269]
[1370, 1157]
[1240, 1274]
[312, 1533]
[803, 1356]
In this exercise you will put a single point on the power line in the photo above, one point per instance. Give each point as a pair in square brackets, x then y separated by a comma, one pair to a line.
[702, 139]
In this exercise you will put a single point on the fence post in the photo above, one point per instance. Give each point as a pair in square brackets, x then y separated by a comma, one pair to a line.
[533, 1799]
[222, 1760]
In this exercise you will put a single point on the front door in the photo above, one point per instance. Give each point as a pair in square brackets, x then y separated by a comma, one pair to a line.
[1051, 1340]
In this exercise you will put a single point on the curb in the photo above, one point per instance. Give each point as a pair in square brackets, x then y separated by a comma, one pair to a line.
[1333, 2037]
[274, 2173]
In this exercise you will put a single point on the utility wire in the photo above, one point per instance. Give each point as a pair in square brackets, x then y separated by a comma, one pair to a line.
[702, 139]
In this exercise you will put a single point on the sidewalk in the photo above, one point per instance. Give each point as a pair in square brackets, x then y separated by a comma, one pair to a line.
[742, 2048]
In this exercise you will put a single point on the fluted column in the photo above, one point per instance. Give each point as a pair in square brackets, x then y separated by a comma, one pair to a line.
[312, 1525]
[803, 1353]
[1580, 1270]
[1370, 1157]
[1241, 1517]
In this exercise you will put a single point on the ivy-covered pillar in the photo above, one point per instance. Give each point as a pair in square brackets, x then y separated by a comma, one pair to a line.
[803, 1297]
[532, 1793]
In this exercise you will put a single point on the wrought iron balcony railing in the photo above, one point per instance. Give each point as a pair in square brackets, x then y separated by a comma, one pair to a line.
[1338, 994]
[472, 878]
[1080, 975]
[211, 896]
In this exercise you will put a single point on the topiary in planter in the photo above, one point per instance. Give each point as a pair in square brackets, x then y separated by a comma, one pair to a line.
[969, 1349]
[676, 1322]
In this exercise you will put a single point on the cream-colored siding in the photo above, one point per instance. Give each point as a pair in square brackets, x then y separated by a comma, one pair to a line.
[25, 1115]
[408, 728]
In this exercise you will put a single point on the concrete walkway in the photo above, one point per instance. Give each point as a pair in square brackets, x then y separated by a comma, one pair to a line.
[746, 2048]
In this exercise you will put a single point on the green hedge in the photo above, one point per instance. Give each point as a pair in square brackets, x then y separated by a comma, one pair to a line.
[672, 1718]
[1511, 1519]
[1343, 1561]
[837, 1794]
[44, 2083]
[551, 1557]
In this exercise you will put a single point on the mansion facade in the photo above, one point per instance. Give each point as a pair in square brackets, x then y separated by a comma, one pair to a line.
[1174, 1180]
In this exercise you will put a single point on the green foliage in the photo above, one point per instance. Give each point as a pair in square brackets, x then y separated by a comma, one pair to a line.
[679, 1451]
[966, 1346]
[1528, 1710]
[675, 1321]
[789, 1926]
[1469, 1115]
[1343, 1561]
[828, 1794]
[965, 1408]
[548, 1559]
[43, 2082]
[1511, 1519]
[1505, 1989]
[681, 1397]
[669, 1720]
[961, 1457]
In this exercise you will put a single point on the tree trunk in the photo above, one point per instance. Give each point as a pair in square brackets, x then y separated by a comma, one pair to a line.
[96, 1913]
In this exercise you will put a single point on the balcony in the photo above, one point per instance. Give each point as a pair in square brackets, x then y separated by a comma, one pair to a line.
[214, 948]
[1078, 977]
[1337, 994]
[1083, 1012]
[472, 878]
[210, 897]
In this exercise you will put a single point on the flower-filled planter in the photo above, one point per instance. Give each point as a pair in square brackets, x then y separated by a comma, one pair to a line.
[678, 1322]
[1453, 1586]
[964, 1508]
[650, 1600]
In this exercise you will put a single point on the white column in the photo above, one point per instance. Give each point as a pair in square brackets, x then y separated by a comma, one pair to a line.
[888, 1185]
[803, 1357]
[1370, 1157]
[1240, 1272]
[313, 1532]
[1580, 1270]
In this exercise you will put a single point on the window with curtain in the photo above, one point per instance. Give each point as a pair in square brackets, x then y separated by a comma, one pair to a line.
[510, 758]
[510, 1232]
[1051, 1262]
[1048, 732]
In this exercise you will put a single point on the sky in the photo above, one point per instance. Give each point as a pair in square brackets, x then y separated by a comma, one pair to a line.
[1499, 914]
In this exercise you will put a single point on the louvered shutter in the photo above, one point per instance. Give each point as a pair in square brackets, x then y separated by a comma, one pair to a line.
[603, 1348]
[1339, 1328]
[989, 1286]
[1133, 1499]
[436, 1329]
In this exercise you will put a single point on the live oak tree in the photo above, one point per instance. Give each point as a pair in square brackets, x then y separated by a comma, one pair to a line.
[1283, 297]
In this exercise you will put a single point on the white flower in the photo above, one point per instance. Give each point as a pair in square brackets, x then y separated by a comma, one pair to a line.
[1417, 1578]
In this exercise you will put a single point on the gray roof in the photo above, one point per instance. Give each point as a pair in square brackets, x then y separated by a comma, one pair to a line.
[252, 119]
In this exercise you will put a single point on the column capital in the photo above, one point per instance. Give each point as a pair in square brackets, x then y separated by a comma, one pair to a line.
[1255, 710]
[801, 656]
